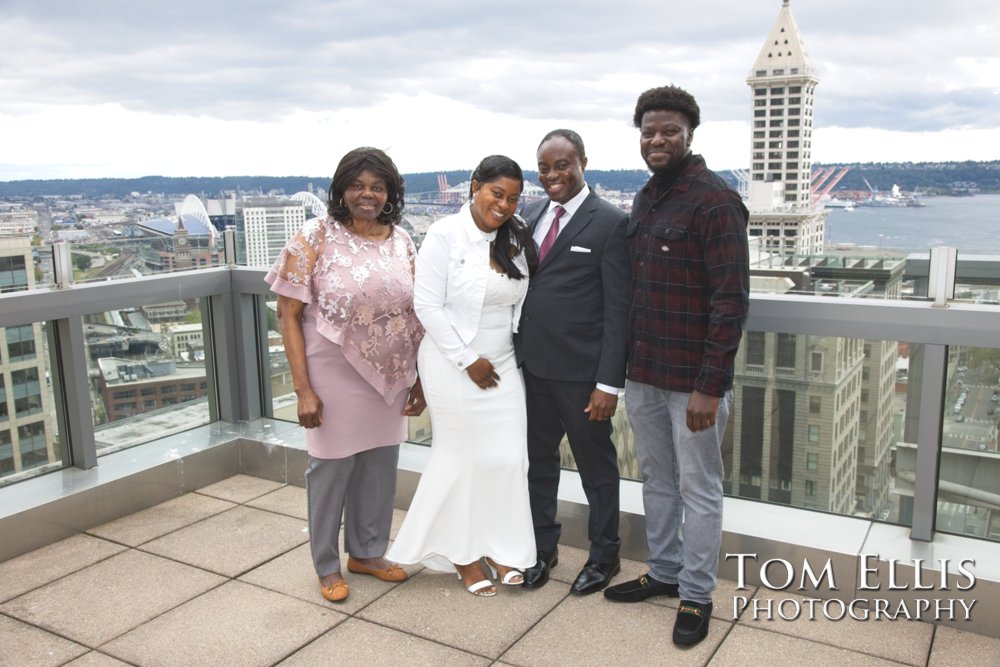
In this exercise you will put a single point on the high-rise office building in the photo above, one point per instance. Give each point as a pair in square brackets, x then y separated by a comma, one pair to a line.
[265, 225]
[27, 425]
[783, 81]
[796, 420]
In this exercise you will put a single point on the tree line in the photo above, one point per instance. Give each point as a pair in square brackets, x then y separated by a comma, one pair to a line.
[927, 177]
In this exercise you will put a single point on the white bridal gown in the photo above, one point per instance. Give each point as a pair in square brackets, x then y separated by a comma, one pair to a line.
[472, 500]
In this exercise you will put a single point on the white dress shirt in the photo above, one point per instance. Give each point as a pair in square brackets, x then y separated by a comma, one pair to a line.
[450, 284]
[542, 228]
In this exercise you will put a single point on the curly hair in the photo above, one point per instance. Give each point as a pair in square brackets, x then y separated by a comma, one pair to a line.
[667, 98]
[350, 167]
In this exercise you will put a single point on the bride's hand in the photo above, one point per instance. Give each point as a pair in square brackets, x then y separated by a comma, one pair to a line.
[415, 402]
[481, 372]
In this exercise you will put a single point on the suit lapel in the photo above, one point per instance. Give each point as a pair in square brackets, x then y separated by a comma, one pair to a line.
[583, 216]
[534, 217]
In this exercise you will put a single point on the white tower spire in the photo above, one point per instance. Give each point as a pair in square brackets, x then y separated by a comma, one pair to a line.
[783, 81]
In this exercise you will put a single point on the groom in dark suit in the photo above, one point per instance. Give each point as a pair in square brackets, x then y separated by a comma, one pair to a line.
[572, 347]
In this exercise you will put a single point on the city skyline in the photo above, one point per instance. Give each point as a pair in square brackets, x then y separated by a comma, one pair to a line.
[123, 90]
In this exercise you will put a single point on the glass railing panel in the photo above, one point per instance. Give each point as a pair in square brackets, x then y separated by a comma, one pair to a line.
[29, 439]
[142, 254]
[284, 403]
[858, 273]
[122, 236]
[969, 473]
[814, 421]
[147, 372]
[813, 424]
[983, 293]
[24, 263]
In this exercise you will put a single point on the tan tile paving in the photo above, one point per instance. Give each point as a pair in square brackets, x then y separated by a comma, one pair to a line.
[954, 648]
[235, 624]
[108, 598]
[357, 642]
[232, 542]
[88, 592]
[436, 606]
[907, 643]
[589, 630]
[23, 644]
[96, 659]
[292, 573]
[161, 519]
[290, 500]
[240, 488]
[749, 646]
[41, 566]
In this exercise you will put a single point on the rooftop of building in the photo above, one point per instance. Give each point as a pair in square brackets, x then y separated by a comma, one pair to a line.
[168, 226]
[125, 372]
[223, 575]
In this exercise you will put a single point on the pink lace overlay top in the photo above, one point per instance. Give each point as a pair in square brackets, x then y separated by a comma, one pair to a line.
[359, 292]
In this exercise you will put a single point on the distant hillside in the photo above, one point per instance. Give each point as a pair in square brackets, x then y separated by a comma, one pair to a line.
[928, 177]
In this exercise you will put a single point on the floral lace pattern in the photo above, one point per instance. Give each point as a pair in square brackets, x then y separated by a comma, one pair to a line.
[360, 292]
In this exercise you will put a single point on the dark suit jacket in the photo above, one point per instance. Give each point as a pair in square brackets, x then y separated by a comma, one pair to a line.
[573, 324]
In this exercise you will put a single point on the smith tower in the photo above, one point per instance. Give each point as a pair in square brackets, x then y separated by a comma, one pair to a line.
[784, 81]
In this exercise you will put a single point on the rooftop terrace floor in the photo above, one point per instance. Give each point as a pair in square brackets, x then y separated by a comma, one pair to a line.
[223, 576]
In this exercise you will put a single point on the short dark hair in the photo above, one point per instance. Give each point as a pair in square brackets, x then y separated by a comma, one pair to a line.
[570, 136]
[667, 98]
[350, 167]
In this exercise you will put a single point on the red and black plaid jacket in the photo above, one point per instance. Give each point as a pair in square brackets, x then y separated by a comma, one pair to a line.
[690, 281]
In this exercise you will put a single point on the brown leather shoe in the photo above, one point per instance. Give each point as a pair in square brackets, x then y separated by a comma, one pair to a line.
[392, 573]
[336, 592]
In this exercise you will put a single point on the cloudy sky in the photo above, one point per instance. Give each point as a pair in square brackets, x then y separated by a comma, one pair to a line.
[124, 88]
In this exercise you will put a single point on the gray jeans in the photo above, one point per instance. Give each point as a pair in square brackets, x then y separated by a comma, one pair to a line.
[682, 484]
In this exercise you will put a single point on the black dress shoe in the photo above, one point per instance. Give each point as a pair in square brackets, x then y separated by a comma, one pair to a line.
[640, 589]
[594, 576]
[537, 575]
[691, 625]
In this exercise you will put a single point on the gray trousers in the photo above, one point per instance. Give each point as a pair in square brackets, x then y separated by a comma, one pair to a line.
[681, 484]
[360, 488]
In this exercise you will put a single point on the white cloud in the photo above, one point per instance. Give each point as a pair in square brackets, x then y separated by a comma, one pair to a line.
[116, 88]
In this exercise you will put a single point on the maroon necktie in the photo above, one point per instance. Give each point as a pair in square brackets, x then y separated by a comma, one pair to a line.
[550, 236]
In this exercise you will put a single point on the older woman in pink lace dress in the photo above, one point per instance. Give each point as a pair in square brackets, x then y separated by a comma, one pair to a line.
[345, 305]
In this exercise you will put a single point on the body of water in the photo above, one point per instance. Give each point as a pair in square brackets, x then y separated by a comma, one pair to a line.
[971, 224]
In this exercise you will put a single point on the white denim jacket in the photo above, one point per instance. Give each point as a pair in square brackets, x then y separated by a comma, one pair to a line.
[450, 284]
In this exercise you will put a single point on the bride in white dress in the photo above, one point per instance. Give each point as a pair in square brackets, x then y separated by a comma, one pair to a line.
[471, 505]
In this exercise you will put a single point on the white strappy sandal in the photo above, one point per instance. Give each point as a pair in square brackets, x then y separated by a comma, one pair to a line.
[480, 588]
[511, 578]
